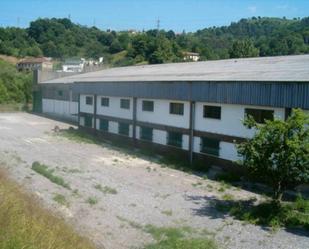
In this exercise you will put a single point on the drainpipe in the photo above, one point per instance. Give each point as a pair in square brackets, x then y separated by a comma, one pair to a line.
[78, 112]
[134, 119]
[191, 128]
[95, 113]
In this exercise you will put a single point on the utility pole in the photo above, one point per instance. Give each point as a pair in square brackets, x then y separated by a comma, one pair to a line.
[158, 24]
[18, 21]
[94, 22]
[69, 17]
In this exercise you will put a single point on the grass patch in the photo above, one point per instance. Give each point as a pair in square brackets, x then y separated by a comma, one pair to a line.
[60, 199]
[176, 238]
[106, 189]
[290, 215]
[78, 136]
[48, 173]
[92, 200]
[167, 212]
[24, 224]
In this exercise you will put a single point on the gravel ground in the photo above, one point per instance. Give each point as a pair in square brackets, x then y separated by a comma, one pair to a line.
[145, 194]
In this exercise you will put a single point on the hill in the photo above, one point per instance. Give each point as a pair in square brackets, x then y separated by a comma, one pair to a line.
[60, 38]
[15, 87]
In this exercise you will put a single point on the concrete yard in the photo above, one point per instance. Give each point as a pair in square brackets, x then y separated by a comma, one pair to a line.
[130, 192]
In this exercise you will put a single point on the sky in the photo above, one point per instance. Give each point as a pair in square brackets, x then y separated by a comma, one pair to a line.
[177, 15]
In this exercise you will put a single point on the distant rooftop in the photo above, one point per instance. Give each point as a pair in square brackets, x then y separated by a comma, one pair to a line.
[34, 60]
[279, 68]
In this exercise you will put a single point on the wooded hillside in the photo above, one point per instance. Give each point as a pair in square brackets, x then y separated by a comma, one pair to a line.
[60, 38]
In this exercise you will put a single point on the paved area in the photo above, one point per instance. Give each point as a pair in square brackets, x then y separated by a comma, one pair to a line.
[129, 192]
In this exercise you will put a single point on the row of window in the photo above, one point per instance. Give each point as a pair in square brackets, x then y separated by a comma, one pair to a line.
[208, 146]
[213, 112]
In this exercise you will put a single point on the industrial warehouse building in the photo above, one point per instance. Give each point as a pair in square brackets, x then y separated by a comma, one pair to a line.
[194, 108]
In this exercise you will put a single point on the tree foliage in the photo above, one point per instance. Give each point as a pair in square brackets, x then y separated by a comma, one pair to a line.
[60, 38]
[15, 87]
[279, 151]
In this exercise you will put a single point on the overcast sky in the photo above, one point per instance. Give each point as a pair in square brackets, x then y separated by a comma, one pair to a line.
[178, 15]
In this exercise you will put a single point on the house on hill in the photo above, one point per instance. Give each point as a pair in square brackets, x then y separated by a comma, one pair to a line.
[30, 64]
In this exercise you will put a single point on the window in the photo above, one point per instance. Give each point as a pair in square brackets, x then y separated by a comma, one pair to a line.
[88, 121]
[147, 106]
[60, 93]
[146, 133]
[125, 103]
[176, 108]
[210, 146]
[260, 115]
[89, 100]
[174, 139]
[103, 124]
[212, 112]
[123, 129]
[104, 101]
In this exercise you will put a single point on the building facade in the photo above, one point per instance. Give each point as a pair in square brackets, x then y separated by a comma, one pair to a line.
[198, 118]
[32, 64]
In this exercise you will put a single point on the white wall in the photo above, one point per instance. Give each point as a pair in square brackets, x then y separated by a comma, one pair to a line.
[65, 109]
[231, 119]
[161, 113]
[114, 109]
[227, 151]
[86, 108]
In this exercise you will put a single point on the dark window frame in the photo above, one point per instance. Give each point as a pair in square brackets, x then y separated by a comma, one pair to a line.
[176, 108]
[89, 100]
[123, 129]
[211, 111]
[104, 124]
[172, 139]
[146, 133]
[125, 104]
[88, 121]
[147, 105]
[210, 146]
[105, 101]
[259, 115]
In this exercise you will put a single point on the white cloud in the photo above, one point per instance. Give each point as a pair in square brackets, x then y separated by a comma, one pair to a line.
[252, 9]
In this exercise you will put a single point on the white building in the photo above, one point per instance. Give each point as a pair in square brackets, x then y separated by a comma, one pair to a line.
[73, 65]
[190, 108]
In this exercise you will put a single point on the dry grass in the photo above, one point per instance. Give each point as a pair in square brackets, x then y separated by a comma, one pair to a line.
[26, 225]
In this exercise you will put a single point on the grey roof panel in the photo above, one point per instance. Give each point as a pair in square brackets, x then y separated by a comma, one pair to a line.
[280, 68]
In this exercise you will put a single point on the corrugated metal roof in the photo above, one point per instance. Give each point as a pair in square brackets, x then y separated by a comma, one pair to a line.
[280, 68]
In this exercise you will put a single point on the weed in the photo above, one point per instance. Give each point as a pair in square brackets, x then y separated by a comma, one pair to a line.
[175, 238]
[61, 200]
[167, 212]
[48, 173]
[227, 197]
[293, 214]
[106, 189]
[131, 223]
[92, 200]
[197, 184]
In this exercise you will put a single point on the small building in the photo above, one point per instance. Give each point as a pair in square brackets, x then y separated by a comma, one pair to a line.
[193, 109]
[73, 65]
[190, 56]
[30, 64]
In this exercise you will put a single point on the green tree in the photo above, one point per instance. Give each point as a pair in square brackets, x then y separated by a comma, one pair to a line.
[243, 49]
[278, 153]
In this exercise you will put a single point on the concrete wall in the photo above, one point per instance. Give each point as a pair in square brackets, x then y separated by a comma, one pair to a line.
[114, 109]
[231, 119]
[65, 109]
[161, 113]
[230, 123]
